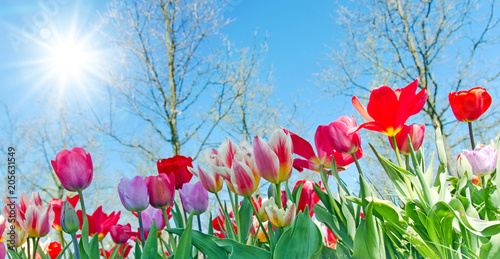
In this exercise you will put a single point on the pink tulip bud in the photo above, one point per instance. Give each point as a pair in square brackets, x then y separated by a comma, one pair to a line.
[118, 233]
[161, 189]
[133, 193]
[483, 160]
[274, 159]
[338, 136]
[194, 197]
[416, 133]
[74, 169]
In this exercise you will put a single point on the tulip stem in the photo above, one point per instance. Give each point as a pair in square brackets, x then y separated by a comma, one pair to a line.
[141, 229]
[324, 178]
[261, 224]
[29, 247]
[199, 223]
[237, 215]
[471, 134]
[407, 180]
[278, 195]
[170, 236]
[357, 164]
[223, 208]
[35, 246]
[75, 245]
[82, 204]
[104, 250]
[407, 162]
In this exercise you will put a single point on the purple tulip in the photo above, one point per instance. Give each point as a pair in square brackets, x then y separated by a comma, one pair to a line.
[482, 159]
[74, 169]
[133, 193]
[151, 215]
[194, 197]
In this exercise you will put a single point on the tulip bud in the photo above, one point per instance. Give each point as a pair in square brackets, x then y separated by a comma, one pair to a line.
[69, 220]
[416, 133]
[337, 135]
[483, 160]
[194, 197]
[119, 233]
[133, 193]
[280, 217]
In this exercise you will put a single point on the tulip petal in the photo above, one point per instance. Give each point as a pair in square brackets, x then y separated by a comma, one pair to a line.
[323, 146]
[383, 105]
[281, 144]
[242, 179]
[361, 109]
[299, 164]
[301, 147]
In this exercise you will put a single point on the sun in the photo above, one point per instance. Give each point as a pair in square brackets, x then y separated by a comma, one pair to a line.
[70, 60]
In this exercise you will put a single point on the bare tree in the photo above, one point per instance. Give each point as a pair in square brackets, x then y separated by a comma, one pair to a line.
[172, 76]
[444, 43]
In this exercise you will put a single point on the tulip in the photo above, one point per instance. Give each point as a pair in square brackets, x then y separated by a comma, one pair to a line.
[69, 220]
[194, 197]
[74, 169]
[274, 159]
[151, 215]
[257, 231]
[177, 166]
[17, 238]
[99, 222]
[280, 217]
[339, 138]
[416, 133]
[483, 160]
[118, 233]
[161, 189]
[259, 206]
[210, 180]
[133, 193]
[388, 110]
[25, 201]
[57, 206]
[219, 223]
[54, 250]
[37, 218]
[329, 238]
[123, 251]
[308, 196]
[3, 224]
[469, 105]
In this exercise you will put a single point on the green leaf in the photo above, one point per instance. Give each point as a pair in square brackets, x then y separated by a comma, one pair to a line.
[245, 219]
[40, 252]
[241, 251]
[94, 252]
[491, 249]
[302, 240]
[84, 239]
[441, 148]
[138, 252]
[369, 242]
[203, 242]
[210, 227]
[184, 247]
[61, 254]
[297, 193]
[151, 246]
[13, 254]
[177, 215]
[83, 253]
[334, 224]
[114, 254]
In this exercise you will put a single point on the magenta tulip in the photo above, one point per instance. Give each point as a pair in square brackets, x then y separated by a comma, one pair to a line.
[161, 189]
[337, 135]
[483, 160]
[416, 133]
[274, 159]
[194, 197]
[119, 233]
[74, 169]
[133, 193]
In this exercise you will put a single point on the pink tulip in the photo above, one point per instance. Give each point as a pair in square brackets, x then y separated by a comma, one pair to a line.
[133, 193]
[244, 181]
[210, 180]
[118, 233]
[416, 133]
[3, 251]
[161, 189]
[274, 159]
[74, 169]
[194, 197]
[308, 196]
[325, 152]
[337, 135]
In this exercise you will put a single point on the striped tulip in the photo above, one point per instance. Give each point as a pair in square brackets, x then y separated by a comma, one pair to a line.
[280, 217]
[274, 159]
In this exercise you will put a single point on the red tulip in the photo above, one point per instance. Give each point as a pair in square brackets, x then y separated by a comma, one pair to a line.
[99, 222]
[161, 190]
[388, 110]
[308, 196]
[123, 251]
[54, 249]
[177, 166]
[416, 133]
[57, 206]
[74, 169]
[329, 238]
[219, 224]
[469, 105]
[118, 233]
